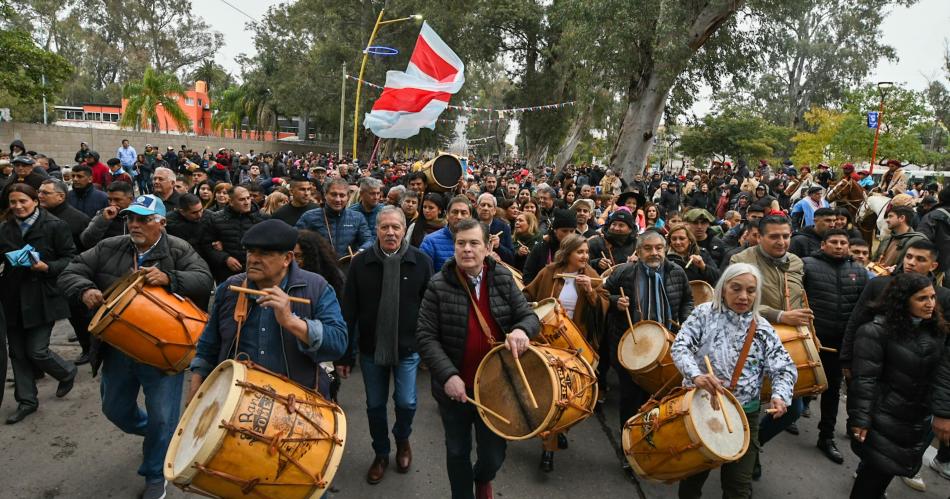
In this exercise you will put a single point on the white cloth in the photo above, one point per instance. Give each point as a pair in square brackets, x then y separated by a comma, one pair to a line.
[568, 297]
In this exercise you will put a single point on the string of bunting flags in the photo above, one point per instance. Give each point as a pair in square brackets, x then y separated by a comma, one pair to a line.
[501, 112]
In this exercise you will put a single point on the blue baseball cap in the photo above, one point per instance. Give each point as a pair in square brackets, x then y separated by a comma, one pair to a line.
[147, 205]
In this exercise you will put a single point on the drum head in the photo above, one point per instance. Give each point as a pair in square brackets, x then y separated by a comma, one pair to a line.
[198, 435]
[702, 292]
[446, 171]
[498, 387]
[710, 426]
[642, 346]
[545, 307]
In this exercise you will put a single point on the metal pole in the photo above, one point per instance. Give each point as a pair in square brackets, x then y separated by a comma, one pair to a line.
[359, 83]
[877, 131]
[342, 112]
[43, 79]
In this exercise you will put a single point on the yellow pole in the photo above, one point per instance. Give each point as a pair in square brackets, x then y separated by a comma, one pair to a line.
[359, 82]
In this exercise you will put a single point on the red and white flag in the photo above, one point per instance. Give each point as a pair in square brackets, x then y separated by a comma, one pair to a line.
[415, 98]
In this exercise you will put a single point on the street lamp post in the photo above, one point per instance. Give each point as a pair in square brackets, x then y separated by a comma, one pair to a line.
[359, 81]
[882, 88]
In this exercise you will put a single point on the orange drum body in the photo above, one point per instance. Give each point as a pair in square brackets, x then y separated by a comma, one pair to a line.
[682, 435]
[251, 433]
[878, 269]
[558, 330]
[702, 292]
[645, 352]
[149, 324]
[802, 347]
[563, 383]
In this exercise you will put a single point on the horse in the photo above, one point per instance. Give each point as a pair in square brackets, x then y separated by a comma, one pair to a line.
[871, 215]
[749, 185]
[849, 194]
[798, 186]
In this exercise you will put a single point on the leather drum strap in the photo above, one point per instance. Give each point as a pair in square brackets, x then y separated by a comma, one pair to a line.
[240, 315]
[478, 313]
[750, 334]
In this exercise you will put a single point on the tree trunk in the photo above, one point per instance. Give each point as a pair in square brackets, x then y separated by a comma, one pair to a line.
[302, 126]
[650, 87]
[580, 125]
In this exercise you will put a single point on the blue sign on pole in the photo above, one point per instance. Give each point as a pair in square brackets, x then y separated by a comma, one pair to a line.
[872, 119]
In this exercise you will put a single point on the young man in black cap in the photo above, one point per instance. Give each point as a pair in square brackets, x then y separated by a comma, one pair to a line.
[286, 338]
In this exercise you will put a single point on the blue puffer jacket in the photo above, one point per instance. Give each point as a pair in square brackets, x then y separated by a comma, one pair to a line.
[439, 246]
[347, 228]
[370, 216]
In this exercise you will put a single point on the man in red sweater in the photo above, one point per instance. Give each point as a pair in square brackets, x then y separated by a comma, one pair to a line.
[452, 342]
[101, 175]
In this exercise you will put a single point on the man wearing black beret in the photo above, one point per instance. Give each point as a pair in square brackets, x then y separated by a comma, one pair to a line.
[285, 337]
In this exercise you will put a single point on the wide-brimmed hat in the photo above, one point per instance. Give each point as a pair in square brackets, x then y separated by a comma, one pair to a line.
[641, 199]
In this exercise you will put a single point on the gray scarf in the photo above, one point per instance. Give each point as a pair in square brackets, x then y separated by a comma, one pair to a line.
[387, 316]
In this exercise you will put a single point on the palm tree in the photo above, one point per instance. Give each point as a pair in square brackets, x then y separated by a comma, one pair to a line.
[229, 110]
[144, 98]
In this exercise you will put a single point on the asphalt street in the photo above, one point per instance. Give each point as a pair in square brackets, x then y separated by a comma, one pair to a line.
[68, 449]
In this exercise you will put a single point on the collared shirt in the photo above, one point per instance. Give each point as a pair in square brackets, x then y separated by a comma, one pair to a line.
[127, 156]
[476, 282]
[141, 255]
[721, 335]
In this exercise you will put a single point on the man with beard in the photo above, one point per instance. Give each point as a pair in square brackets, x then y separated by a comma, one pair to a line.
[616, 245]
[563, 224]
[546, 210]
[892, 248]
[699, 221]
[584, 209]
[653, 289]
[346, 230]
[228, 228]
[500, 230]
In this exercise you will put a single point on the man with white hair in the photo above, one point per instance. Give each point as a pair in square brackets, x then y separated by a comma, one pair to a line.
[499, 230]
[165, 261]
[163, 186]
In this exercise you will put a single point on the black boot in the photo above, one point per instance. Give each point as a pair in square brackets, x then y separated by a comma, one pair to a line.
[830, 450]
[561, 441]
[757, 469]
[21, 413]
[792, 428]
[547, 461]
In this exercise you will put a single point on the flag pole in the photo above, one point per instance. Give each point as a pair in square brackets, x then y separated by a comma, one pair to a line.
[359, 82]
[342, 113]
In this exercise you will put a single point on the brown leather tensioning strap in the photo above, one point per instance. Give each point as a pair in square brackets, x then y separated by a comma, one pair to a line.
[750, 334]
[478, 313]
[240, 315]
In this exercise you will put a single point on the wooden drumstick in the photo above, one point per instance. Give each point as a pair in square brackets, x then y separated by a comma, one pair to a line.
[722, 406]
[498, 234]
[828, 349]
[627, 310]
[255, 292]
[524, 379]
[572, 276]
[489, 411]
[690, 262]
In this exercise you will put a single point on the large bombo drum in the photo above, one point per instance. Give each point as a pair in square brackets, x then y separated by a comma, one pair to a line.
[645, 352]
[252, 433]
[149, 324]
[803, 349]
[563, 383]
[558, 330]
[682, 435]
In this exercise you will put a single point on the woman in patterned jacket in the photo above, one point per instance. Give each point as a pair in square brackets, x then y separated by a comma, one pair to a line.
[719, 329]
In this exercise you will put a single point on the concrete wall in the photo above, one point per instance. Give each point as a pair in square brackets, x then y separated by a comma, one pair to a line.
[62, 142]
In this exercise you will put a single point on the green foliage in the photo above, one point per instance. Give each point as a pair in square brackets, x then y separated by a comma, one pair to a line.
[23, 67]
[733, 134]
[214, 75]
[812, 147]
[156, 89]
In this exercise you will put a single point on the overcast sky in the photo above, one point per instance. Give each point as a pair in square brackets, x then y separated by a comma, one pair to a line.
[917, 33]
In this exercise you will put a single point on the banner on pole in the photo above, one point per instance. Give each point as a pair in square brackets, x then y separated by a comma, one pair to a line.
[872, 119]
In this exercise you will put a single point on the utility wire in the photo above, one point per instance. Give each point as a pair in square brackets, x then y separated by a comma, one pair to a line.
[229, 4]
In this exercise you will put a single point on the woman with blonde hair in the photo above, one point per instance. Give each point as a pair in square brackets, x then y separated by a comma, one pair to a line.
[743, 348]
[686, 252]
[579, 290]
[525, 236]
[274, 202]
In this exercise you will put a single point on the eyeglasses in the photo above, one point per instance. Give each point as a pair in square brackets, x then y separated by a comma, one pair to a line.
[139, 219]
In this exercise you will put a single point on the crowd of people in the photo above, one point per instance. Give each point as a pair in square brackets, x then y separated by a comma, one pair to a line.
[402, 276]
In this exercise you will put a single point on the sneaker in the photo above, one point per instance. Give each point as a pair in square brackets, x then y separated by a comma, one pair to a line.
[942, 468]
[154, 490]
[792, 428]
[916, 483]
[806, 412]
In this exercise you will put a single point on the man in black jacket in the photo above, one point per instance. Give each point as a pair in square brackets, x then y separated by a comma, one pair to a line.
[190, 222]
[642, 282]
[301, 201]
[452, 344]
[381, 300]
[809, 239]
[226, 229]
[85, 197]
[833, 283]
[110, 221]
[935, 225]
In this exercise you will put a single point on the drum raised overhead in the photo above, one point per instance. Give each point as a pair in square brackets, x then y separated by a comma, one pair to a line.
[252, 433]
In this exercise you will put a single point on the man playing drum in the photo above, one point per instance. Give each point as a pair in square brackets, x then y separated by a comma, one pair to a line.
[171, 263]
[783, 301]
[720, 330]
[285, 338]
[452, 342]
[654, 289]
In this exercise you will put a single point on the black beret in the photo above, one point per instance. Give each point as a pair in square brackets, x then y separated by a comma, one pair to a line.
[564, 219]
[270, 235]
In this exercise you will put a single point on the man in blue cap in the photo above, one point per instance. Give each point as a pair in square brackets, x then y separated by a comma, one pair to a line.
[165, 261]
[286, 338]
